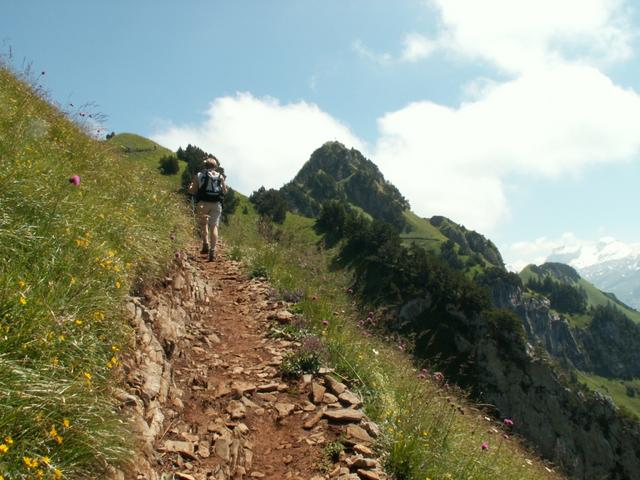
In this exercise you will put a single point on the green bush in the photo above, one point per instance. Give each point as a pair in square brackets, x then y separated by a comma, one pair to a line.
[169, 165]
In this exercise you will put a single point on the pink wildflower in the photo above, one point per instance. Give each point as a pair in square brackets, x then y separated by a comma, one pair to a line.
[485, 446]
[508, 422]
[75, 180]
[315, 297]
[178, 255]
[325, 322]
[349, 290]
[370, 315]
[438, 376]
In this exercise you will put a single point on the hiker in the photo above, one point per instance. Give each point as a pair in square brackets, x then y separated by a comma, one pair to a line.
[209, 187]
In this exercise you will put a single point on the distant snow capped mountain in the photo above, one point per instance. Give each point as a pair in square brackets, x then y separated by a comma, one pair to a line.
[611, 265]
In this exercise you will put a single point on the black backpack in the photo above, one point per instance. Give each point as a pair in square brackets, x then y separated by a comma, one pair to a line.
[210, 189]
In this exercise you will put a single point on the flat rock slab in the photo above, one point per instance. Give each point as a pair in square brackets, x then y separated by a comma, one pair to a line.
[368, 475]
[344, 415]
[358, 434]
[176, 446]
[285, 409]
[350, 398]
[334, 385]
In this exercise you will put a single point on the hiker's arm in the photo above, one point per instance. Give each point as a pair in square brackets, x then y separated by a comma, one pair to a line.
[224, 183]
[192, 189]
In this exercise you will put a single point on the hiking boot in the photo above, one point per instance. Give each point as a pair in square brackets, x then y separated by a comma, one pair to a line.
[212, 254]
[205, 248]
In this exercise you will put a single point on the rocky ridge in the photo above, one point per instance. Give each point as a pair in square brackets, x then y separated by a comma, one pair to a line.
[206, 398]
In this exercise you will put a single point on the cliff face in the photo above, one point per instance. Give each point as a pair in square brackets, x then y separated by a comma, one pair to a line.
[542, 325]
[582, 433]
[609, 346]
[578, 430]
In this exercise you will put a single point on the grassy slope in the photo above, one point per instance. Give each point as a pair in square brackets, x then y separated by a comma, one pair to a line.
[422, 232]
[69, 256]
[147, 152]
[424, 435]
[616, 389]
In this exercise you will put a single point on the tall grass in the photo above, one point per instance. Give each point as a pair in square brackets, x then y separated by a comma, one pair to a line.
[429, 429]
[69, 254]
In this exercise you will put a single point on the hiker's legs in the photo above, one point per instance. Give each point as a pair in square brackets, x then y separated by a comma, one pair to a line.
[203, 220]
[214, 220]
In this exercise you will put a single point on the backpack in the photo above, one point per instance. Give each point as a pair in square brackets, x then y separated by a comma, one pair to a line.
[210, 188]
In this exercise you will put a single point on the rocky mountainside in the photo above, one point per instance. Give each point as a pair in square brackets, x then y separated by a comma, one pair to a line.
[334, 172]
[499, 347]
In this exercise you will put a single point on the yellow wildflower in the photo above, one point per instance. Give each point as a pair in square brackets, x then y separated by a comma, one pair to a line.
[117, 284]
[4, 448]
[53, 432]
[30, 462]
[72, 280]
[8, 440]
[22, 283]
[46, 460]
[61, 338]
[57, 473]
[78, 322]
[66, 423]
[23, 300]
[87, 375]
[111, 253]
[58, 439]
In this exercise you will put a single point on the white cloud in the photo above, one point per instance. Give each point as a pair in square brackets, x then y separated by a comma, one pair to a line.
[519, 35]
[417, 47]
[259, 141]
[547, 123]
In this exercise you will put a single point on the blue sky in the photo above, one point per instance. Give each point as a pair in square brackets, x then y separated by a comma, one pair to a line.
[519, 119]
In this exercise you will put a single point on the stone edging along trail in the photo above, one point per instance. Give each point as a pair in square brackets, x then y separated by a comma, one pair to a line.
[206, 397]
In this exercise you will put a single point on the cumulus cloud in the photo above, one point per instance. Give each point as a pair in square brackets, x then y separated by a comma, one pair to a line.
[549, 123]
[259, 140]
[556, 115]
[520, 35]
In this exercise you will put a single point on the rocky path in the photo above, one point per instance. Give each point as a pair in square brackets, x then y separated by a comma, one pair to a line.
[228, 413]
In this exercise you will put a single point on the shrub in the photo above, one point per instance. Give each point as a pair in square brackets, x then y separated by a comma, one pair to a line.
[270, 204]
[169, 165]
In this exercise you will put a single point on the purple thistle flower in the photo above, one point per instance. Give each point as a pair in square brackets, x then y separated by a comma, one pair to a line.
[438, 376]
[325, 322]
[484, 446]
[508, 422]
[75, 180]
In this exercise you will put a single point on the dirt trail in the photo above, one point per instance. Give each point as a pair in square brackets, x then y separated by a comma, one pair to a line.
[237, 418]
